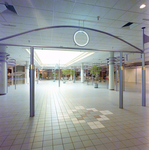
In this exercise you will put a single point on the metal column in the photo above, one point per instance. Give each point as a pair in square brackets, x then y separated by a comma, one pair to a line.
[74, 76]
[32, 83]
[136, 75]
[15, 76]
[111, 71]
[82, 73]
[3, 70]
[143, 74]
[107, 76]
[121, 83]
[42, 74]
[123, 77]
[143, 81]
[102, 75]
[92, 79]
[116, 77]
[59, 77]
[87, 76]
[37, 75]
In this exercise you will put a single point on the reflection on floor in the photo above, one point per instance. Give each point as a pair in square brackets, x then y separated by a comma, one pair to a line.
[75, 116]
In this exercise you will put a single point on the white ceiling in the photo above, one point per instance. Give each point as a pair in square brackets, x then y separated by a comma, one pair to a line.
[113, 14]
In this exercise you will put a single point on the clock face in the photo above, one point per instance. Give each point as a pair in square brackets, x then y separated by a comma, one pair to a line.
[81, 38]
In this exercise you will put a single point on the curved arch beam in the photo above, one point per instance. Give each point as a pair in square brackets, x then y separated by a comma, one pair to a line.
[52, 27]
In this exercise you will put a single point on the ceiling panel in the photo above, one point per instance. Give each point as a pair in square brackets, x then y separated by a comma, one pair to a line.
[87, 1]
[63, 6]
[139, 18]
[82, 9]
[106, 3]
[98, 11]
[60, 15]
[114, 14]
[24, 3]
[24, 11]
[117, 24]
[125, 4]
[45, 5]
[128, 16]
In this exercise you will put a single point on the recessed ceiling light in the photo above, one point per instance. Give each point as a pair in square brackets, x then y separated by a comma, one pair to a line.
[142, 6]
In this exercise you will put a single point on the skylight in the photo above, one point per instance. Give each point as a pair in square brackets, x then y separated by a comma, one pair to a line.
[54, 57]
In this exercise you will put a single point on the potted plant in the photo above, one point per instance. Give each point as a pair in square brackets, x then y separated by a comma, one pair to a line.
[95, 71]
[40, 76]
[54, 75]
[65, 72]
[74, 75]
[71, 74]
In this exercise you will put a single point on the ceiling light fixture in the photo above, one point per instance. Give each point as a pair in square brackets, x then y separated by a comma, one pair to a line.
[142, 6]
[81, 35]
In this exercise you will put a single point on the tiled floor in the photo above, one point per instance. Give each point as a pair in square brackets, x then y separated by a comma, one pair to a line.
[75, 116]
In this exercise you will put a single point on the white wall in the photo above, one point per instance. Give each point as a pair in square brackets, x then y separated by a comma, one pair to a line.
[147, 74]
[130, 74]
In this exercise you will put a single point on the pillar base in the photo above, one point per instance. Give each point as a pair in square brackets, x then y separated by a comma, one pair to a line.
[2, 94]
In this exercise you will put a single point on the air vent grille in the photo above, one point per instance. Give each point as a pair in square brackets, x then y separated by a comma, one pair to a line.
[127, 24]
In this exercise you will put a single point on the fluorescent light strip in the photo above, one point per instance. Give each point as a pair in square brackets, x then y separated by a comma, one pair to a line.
[78, 59]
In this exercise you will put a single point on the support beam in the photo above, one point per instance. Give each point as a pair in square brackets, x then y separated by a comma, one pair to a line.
[143, 73]
[42, 74]
[107, 76]
[92, 79]
[123, 77]
[143, 81]
[82, 73]
[102, 75]
[32, 83]
[87, 78]
[37, 75]
[136, 75]
[116, 77]
[11, 76]
[15, 76]
[111, 71]
[74, 75]
[3, 71]
[121, 83]
[59, 77]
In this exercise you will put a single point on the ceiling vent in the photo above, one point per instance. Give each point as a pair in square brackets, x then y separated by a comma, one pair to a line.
[127, 25]
[10, 7]
[130, 25]
[5, 6]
